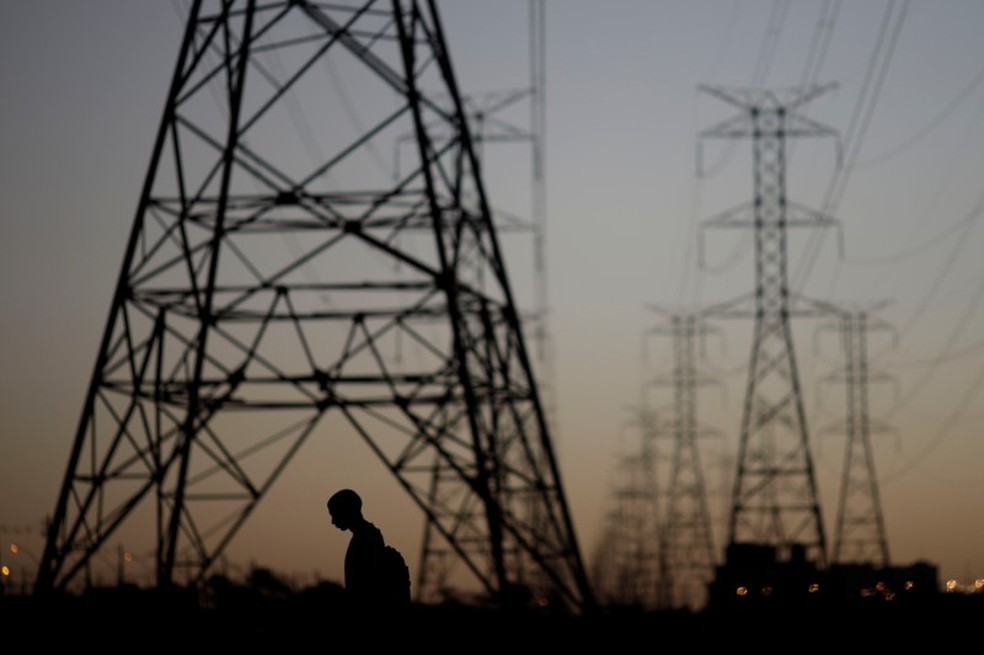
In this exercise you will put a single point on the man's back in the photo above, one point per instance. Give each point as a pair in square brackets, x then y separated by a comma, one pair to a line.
[361, 563]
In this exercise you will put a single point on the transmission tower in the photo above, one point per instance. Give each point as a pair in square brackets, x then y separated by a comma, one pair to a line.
[279, 287]
[775, 500]
[686, 550]
[859, 536]
[626, 564]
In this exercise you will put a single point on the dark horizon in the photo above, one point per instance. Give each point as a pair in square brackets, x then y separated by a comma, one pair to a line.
[267, 616]
[628, 211]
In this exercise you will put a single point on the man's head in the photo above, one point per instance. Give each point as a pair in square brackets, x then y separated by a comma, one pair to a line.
[345, 508]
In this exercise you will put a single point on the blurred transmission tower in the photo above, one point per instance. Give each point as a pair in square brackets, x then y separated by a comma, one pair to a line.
[625, 567]
[277, 275]
[775, 499]
[859, 535]
[686, 546]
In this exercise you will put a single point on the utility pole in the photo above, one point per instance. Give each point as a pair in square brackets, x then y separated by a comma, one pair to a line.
[274, 285]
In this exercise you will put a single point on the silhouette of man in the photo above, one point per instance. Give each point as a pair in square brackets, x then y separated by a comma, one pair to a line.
[362, 555]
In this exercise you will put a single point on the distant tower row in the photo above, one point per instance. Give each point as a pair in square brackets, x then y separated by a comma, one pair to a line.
[657, 545]
[775, 499]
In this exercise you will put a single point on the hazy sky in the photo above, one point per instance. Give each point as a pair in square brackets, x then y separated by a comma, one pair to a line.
[83, 89]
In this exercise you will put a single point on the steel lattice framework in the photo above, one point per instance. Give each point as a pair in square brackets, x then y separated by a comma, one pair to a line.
[626, 563]
[270, 282]
[859, 534]
[775, 499]
[687, 554]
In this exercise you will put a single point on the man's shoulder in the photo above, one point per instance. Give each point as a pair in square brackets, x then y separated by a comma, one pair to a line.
[368, 532]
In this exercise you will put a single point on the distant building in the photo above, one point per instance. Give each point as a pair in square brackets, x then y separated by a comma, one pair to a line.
[757, 576]
[860, 581]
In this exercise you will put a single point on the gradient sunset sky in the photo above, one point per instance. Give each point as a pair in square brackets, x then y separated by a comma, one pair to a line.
[85, 82]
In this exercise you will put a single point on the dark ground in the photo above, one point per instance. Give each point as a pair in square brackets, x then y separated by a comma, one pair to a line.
[134, 621]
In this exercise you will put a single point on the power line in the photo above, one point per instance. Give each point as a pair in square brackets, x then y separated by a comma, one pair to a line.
[927, 129]
[857, 128]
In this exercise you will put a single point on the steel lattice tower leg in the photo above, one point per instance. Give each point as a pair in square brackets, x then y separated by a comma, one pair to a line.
[495, 121]
[270, 284]
[775, 499]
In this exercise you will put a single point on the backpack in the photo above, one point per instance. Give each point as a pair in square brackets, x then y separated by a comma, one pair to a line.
[395, 576]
